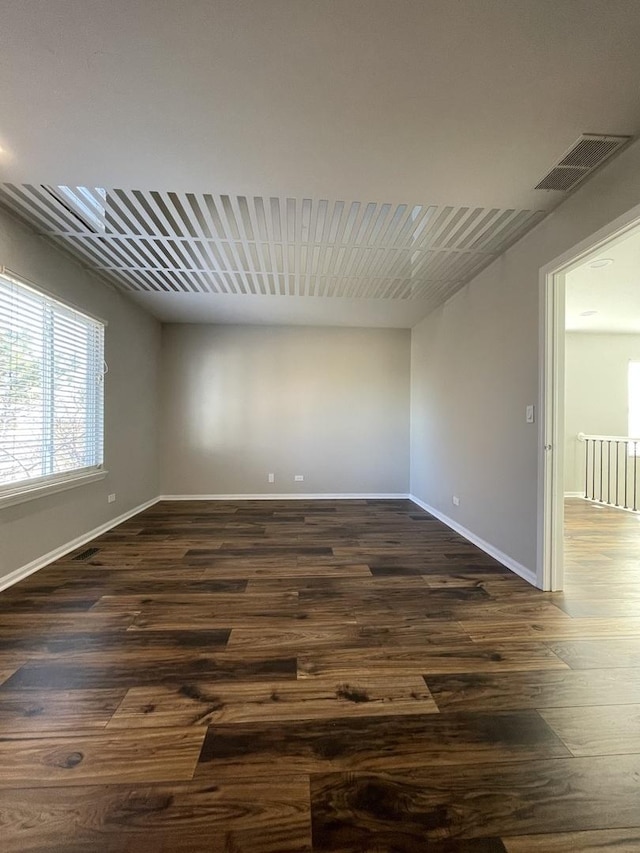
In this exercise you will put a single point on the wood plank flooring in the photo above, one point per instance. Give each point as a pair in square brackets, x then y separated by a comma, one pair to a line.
[321, 675]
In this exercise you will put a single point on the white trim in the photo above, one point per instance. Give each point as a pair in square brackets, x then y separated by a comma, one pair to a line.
[30, 493]
[550, 505]
[338, 496]
[39, 563]
[16, 278]
[525, 573]
[551, 431]
[574, 495]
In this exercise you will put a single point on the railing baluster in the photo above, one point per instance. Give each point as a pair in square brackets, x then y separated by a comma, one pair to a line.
[599, 485]
[626, 473]
[586, 468]
[601, 454]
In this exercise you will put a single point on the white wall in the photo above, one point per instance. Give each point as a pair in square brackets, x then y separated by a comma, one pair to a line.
[242, 401]
[475, 365]
[132, 344]
[596, 393]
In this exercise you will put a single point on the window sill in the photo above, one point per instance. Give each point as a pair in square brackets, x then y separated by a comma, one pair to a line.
[26, 493]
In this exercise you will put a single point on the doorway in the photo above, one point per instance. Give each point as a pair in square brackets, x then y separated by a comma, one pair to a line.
[589, 464]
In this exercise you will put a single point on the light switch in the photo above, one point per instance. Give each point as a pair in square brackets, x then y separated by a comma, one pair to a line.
[531, 414]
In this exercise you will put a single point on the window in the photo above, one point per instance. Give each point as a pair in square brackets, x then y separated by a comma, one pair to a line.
[51, 393]
[634, 405]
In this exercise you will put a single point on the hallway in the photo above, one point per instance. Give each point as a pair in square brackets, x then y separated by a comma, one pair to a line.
[602, 561]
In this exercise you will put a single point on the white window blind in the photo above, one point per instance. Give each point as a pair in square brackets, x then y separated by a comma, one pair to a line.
[51, 389]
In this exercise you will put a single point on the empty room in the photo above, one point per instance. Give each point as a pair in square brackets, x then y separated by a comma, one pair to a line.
[302, 325]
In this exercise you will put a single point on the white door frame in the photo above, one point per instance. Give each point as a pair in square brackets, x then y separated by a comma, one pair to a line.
[550, 568]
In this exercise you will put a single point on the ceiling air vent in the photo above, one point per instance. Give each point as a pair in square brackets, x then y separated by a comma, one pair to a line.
[589, 152]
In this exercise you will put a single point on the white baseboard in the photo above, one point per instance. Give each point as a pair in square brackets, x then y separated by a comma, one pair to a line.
[525, 573]
[370, 496]
[24, 571]
[574, 494]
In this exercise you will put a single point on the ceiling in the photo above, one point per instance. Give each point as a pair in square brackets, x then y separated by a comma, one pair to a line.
[349, 121]
[612, 291]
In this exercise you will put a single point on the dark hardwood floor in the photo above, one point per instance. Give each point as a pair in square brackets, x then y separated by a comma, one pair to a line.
[329, 676]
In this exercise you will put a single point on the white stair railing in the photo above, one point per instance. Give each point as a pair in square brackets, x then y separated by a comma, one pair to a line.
[611, 469]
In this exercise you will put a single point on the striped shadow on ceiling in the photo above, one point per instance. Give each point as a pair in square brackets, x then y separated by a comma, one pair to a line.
[168, 242]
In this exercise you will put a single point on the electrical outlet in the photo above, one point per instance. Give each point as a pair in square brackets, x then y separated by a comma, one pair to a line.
[111, 498]
[271, 478]
[456, 500]
[299, 478]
